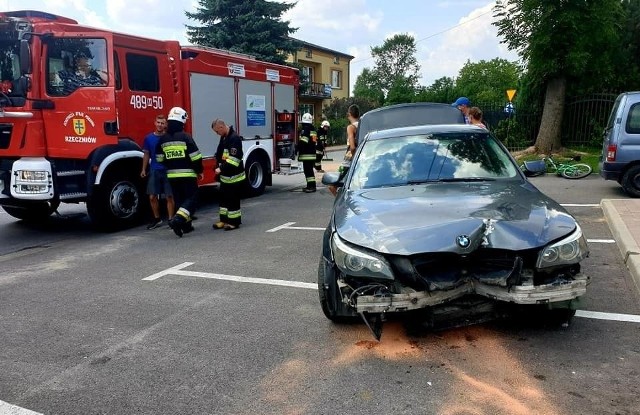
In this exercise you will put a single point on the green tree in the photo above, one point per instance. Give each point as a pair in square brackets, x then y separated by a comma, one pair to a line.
[253, 27]
[367, 88]
[561, 43]
[487, 81]
[442, 90]
[395, 69]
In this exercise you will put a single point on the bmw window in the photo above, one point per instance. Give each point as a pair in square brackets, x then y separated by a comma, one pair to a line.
[425, 158]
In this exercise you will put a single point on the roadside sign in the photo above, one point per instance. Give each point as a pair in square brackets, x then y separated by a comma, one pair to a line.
[510, 94]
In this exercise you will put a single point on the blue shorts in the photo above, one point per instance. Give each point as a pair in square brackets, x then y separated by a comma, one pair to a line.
[158, 184]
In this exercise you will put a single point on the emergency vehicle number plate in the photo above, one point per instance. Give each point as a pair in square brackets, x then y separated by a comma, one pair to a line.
[144, 102]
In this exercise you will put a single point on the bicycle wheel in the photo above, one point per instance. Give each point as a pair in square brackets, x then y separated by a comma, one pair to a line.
[576, 171]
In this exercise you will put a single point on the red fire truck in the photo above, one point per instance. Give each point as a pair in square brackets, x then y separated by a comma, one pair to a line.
[77, 141]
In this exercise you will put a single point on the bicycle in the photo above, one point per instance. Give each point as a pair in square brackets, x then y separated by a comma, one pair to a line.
[568, 170]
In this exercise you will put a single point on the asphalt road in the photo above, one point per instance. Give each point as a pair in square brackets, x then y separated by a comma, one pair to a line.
[229, 323]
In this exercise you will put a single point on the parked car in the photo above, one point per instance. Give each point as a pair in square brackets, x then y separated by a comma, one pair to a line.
[439, 219]
[620, 158]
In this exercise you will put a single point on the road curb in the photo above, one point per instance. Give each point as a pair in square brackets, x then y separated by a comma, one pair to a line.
[625, 241]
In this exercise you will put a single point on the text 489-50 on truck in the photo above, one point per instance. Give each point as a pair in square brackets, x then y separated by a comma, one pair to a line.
[76, 103]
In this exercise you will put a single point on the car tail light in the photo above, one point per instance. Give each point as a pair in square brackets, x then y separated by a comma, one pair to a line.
[611, 152]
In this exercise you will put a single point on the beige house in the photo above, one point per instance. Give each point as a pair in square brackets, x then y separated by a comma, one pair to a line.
[324, 76]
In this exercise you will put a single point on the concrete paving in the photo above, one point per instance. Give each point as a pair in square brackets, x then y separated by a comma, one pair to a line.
[623, 217]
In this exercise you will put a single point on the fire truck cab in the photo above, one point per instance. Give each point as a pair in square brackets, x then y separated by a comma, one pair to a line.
[76, 103]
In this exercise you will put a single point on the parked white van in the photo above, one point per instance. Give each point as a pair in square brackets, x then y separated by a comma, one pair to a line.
[620, 158]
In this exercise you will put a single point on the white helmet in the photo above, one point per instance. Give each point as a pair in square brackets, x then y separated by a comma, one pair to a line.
[325, 123]
[307, 118]
[177, 114]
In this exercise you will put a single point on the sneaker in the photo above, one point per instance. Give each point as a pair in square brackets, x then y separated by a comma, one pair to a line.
[218, 225]
[228, 227]
[306, 190]
[156, 223]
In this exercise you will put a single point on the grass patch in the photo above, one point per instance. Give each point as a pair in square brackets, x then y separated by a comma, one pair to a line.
[588, 155]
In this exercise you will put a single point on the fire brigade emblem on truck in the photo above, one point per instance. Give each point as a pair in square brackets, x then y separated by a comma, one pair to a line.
[78, 126]
[81, 124]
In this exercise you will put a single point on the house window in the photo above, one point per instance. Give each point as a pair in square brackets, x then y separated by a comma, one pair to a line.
[302, 108]
[307, 74]
[336, 79]
[309, 53]
[336, 60]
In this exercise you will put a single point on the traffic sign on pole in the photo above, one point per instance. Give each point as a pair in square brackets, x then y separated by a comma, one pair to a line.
[510, 94]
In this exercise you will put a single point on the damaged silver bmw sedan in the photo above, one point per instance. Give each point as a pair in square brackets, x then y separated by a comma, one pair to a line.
[438, 218]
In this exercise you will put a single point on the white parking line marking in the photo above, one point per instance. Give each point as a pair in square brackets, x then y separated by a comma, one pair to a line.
[602, 241]
[178, 270]
[608, 316]
[8, 409]
[580, 204]
[167, 271]
[288, 226]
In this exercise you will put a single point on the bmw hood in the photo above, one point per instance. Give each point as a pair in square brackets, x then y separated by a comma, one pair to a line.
[450, 217]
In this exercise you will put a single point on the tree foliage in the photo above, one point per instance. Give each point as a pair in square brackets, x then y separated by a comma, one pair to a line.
[253, 27]
[488, 81]
[336, 113]
[395, 74]
[565, 45]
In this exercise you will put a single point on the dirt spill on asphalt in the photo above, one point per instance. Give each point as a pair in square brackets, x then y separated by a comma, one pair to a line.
[475, 371]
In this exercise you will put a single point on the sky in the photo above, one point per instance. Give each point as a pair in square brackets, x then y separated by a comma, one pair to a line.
[448, 33]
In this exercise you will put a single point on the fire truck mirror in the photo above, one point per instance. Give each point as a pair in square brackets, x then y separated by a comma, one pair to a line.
[25, 57]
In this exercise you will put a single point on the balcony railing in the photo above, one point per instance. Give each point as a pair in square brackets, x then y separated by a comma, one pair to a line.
[316, 90]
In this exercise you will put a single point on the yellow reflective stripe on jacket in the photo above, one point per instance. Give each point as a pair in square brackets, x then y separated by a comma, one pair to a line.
[196, 155]
[178, 173]
[233, 179]
[234, 161]
[304, 139]
[305, 157]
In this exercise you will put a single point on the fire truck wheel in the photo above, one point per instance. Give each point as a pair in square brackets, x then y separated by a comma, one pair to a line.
[256, 170]
[33, 213]
[116, 203]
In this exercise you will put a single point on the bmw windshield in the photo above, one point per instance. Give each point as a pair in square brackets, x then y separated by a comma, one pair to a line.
[433, 157]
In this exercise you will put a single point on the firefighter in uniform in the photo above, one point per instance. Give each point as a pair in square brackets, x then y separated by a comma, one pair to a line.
[307, 151]
[232, 177]
[177, 151]
[323, 131]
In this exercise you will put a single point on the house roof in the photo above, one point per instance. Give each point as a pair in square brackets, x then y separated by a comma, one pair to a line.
[322, 48]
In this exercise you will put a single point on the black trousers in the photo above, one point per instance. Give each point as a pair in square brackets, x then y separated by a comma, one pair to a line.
[310, 176]
[230, 194]
[185, 194]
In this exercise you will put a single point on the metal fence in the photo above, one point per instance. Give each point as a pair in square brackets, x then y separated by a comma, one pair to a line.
[583, 123]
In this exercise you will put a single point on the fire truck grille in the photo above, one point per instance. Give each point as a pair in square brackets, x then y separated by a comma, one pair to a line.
[5, 135]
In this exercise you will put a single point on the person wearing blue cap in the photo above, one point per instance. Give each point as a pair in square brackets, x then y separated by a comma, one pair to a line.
[463, 104]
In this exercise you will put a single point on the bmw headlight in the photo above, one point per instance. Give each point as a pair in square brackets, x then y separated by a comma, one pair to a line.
[352, 261]
[570, 250]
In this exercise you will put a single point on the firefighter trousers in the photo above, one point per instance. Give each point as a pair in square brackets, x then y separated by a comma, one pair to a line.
[230, 194]
[309, 174]
[185, 195]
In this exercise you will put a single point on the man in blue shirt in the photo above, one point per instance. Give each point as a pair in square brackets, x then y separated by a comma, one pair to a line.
[158, 183]
[463, 104]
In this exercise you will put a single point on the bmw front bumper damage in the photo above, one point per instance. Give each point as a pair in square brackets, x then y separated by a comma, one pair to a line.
[521, 294]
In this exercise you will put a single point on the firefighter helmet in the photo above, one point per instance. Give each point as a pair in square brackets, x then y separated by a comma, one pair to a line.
[177, 114]
[307, 118]
[325, 123]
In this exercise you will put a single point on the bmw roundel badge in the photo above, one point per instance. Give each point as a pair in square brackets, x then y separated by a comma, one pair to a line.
[463, 241]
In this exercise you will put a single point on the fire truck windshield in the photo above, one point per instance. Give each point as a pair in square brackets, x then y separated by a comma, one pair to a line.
[9, 71]
[74, 63]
